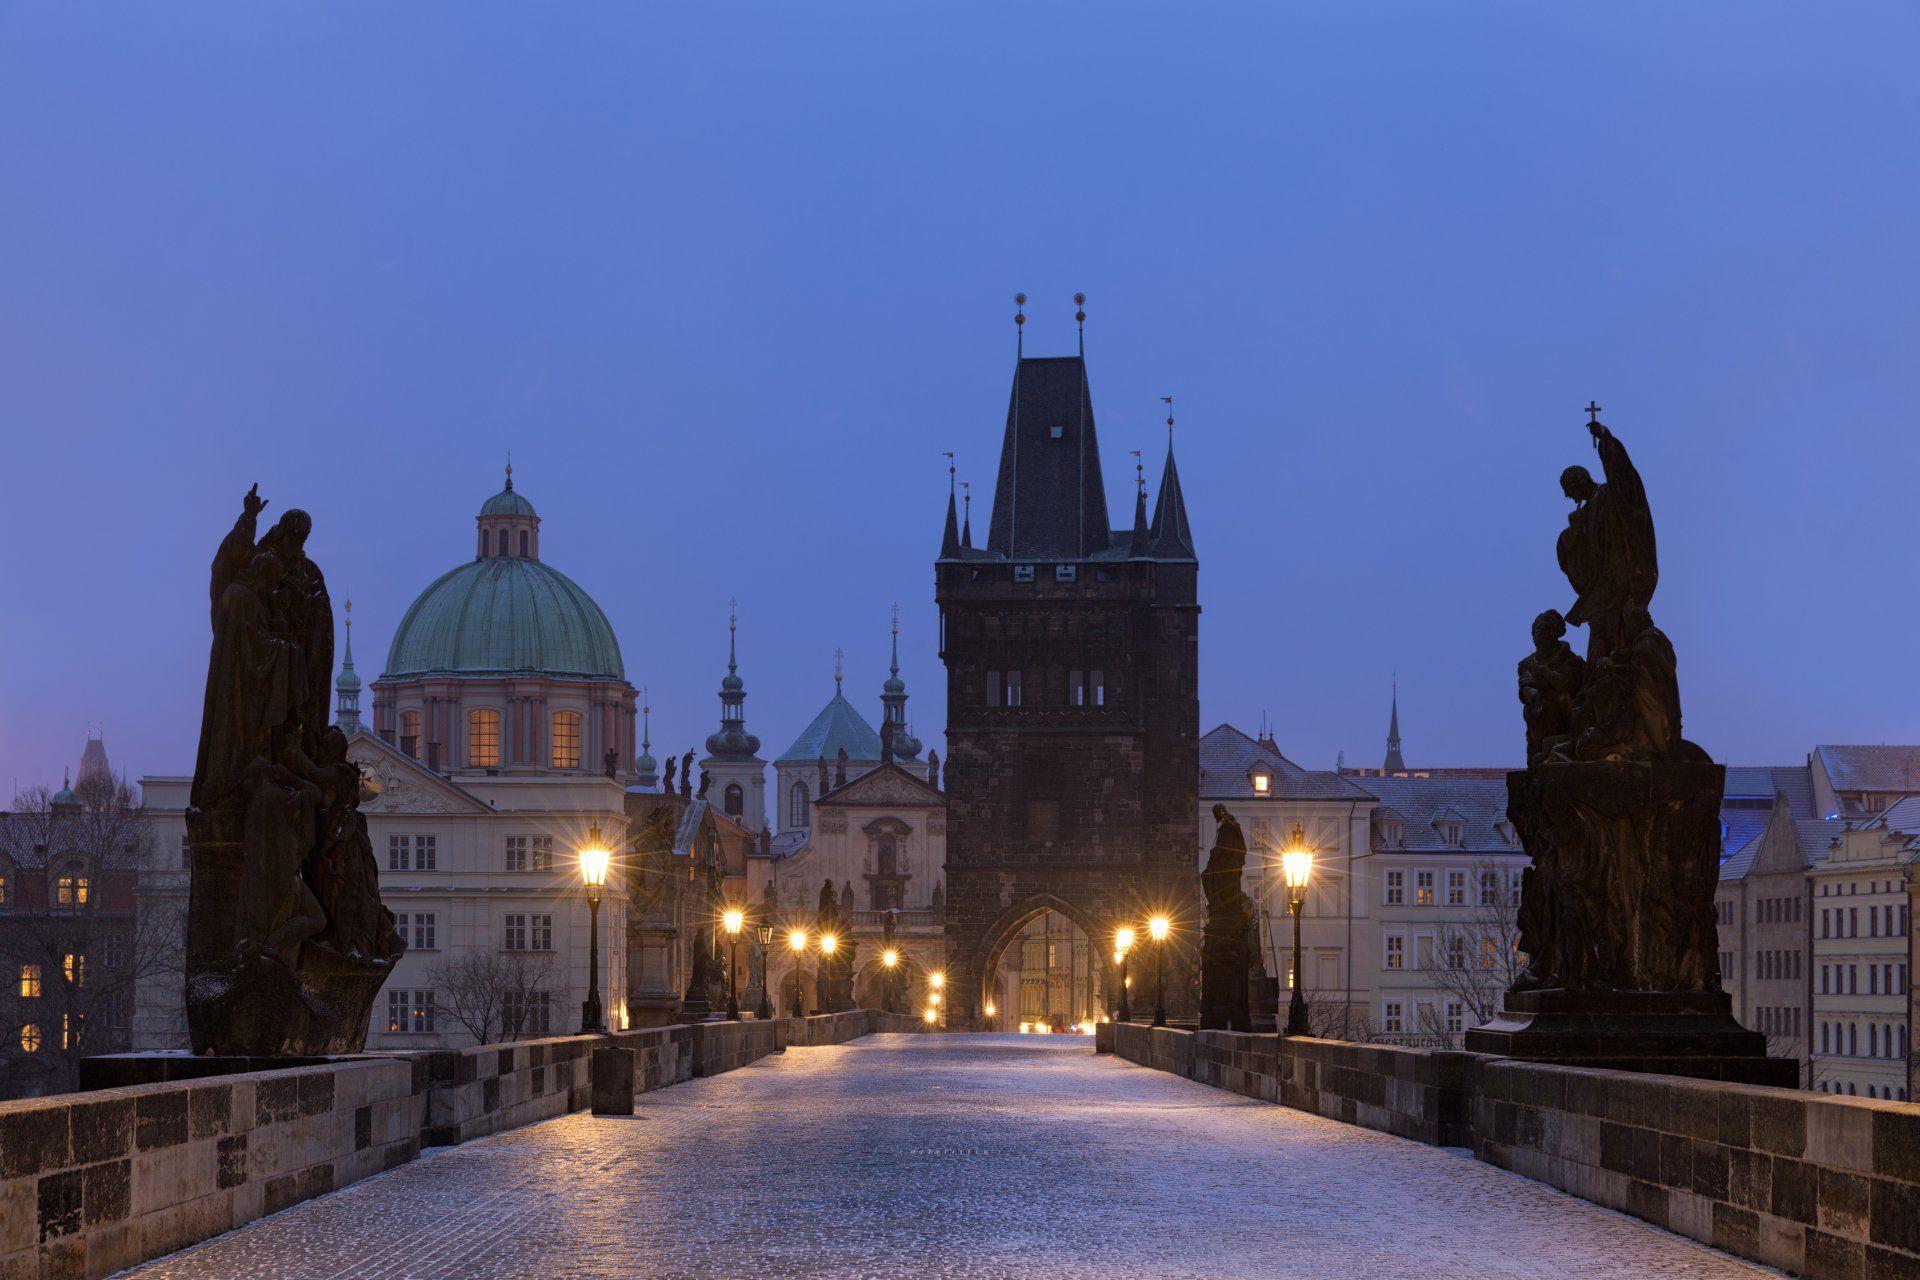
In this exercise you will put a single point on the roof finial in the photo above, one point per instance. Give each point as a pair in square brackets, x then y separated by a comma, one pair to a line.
[509, 471]
[733, 624]
[894, 668]
[966, 514]
[838, 655]
[1019, 324]
[646, 720]
[1168, 401]
[1139, 472]
[1593, 414]
[948, 455]
[1080, 318]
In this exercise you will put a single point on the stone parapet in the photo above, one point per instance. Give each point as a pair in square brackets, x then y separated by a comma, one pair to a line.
[1811, 1183]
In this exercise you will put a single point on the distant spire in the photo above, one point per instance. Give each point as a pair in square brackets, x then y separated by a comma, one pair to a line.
[896, 736]
[645, 769]
[347, 687]
[950, 536]
[1172, 538]
[731, 740]
[733, 626]
[509, 471]
[966, 514]
[1394, 763]
[893, 665]
[1138, 544]
[839, 656]
[1019, 325]
[1080, 319]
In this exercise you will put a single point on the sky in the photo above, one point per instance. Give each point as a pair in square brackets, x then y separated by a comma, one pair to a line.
[727, 280]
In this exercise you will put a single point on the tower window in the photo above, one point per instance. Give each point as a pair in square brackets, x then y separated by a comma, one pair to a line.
[503, 542]
[1013, 688]
[483, 739]
[736, 800]
[1057, 432]
[524, 535]
[566, 740]
[410, 733]
[996, 689]
[798, 800]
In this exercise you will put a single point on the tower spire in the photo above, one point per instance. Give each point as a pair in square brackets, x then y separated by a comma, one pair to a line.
[1137, 544]
[1394, 762]
[896, 738]
[346, 687]
[509, 471]
[732, 741]
[1080, 320]
[966, 514]
[950, 536]
[645, 769]
[839, 656]
[1172, 538]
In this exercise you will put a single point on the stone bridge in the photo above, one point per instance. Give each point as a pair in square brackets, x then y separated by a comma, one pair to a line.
[898, 1154]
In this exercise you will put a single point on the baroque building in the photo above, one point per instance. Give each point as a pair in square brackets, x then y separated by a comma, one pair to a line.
[1072, 654]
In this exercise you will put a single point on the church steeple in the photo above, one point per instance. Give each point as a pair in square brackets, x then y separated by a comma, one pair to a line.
[347, 687]
[732, 740]
[1172, 539]
[646, 770]
[896, 740]
[1394, 762]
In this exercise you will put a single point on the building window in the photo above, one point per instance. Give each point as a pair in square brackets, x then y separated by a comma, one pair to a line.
[410, 1011]
[483, 739]
[73, 966]
[1456, 888]
[72, 1025]
[30, 1039]
[1262, 782]
[1023, 572]
[1456, 1017]
[1450, 834]
[413, 853]
[529, 853]
[1489, 889]
[1456, 951]
[1392, 1017]
[1013, 689]
[422, 937]
[1423, 889]
[566, 740]
[1396, 953]
[72, 888]
[1396, 888]
[526, 1013]
[410, 733]
[29, 981]
[798, 799]
[1490, 952]
[996, 689]
[186, 853]
[735, 801]
[523, 542]
[529, 932]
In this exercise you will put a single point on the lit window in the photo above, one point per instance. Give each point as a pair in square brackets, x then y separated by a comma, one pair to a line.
[74, 966]
[1489, 953]
[3, 890]
[1456, 888]
[566, 739]
[71, 1025]
[1423, 889]
[410, 1011]
[71, 889]
[29, 981]
[483, 739]
[1013, 688]
[1262, 780]
[30, 1038]
[1396, 956]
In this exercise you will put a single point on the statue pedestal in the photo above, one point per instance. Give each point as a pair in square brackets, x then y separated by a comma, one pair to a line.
[1679, 1033]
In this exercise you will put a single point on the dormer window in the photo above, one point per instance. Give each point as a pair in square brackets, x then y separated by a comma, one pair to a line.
[1262, 782]
[1450, 833]
[1392, 831]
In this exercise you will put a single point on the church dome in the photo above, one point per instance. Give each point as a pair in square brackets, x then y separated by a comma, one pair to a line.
[505, 611]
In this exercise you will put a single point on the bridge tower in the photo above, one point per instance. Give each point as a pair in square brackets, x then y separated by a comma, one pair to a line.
[1072, 654]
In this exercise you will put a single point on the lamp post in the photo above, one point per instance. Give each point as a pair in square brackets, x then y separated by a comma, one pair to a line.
[594, 858]
[1122, 944]
[797, 942]
[731, 921]
[1157, 929]
[765, 1010]
[891, 959]
[828, 945]
[1296, 865]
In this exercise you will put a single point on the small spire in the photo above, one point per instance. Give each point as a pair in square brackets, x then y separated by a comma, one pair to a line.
[1019, 324]
[894, 669]
[509, 471]
[950, 536]
[966, 515]
[839, 656]
[733, 625]
[646, 720]
[1394, 762]
[1168, 401]
[1080, 319]
[1137, 544]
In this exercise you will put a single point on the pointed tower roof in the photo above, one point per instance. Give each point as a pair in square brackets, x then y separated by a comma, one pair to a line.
[950, 537]
[1172, 539]
[1048, 500]
[1394, 763]
[732, 741]
[1137, 545]
[966, 515]
[346, 687]
[93, 762]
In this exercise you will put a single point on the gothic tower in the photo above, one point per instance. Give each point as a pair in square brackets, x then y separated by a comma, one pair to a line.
[1072, 698]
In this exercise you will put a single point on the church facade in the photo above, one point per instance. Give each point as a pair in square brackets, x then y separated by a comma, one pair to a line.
[1072, 655]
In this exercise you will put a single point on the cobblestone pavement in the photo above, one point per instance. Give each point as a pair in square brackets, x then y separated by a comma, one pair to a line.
[946, 1156]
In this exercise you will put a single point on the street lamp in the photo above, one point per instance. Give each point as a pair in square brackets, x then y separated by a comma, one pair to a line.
[731, 921]
[766, 972]
[891, 959]
[797, 940]
[594, 857]
[828, 945]
[1296, 865]
[1157, 929]
[1123, 943]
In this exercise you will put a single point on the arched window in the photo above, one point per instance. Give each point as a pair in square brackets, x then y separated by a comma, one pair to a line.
[797, 801]
[71, 888]
[736, 800]
[523, 542]
[566, 740]
[503, 542]
[483, 739]
[410, 733]
[889, 856]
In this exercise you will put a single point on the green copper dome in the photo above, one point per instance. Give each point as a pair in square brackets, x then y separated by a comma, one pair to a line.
[506, 503]
[505, 613]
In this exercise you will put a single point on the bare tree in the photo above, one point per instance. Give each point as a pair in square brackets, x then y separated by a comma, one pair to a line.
[1331, 1019]
[496, 995]
[1476, 956]
[73, 945]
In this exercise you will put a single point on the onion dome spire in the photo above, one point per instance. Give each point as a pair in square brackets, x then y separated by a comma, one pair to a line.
[896, 737]
[646, 770]
[64, 800]
[733, 740]
[346, 687]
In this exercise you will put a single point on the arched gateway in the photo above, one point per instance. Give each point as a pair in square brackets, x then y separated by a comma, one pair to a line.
[1072, 697]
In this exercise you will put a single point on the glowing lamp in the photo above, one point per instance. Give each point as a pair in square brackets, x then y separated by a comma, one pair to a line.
[827, 943]
[938, 980]
[1296, 865]
[890, 958]
[1122, 942]
[731, 921]
[797, 939]
[1158, 927]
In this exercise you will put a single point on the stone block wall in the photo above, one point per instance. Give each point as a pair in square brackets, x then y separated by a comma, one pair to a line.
[1812, 1183]
[91, 1183]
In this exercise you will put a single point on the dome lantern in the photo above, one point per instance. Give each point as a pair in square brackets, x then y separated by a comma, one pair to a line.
[508, 524]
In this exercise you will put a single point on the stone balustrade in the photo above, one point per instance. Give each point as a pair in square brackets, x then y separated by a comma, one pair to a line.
[1808, 1182]
[94, 1182]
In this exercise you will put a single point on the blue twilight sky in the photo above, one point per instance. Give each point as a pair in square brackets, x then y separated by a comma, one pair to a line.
[727, 279]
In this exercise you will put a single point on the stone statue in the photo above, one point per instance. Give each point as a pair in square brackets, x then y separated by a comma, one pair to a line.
[287, 941]
[686, 776]
[1620, 817]
[886, 742]
[666, 787]
[1607, 548]
[937, 902]
[933, 769]
[824, 786]
[826, 918]
[610, 763]
[1227, 946]
[702, 792]
[846, 901]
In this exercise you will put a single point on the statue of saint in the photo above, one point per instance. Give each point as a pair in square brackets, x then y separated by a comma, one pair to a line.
[1550, 677]
[1226, 957]
[1607, 548]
